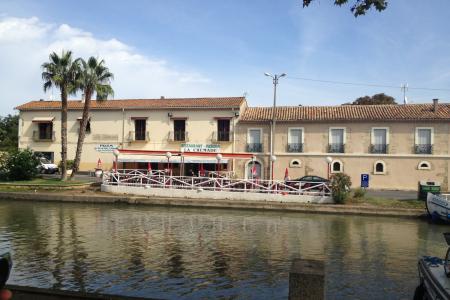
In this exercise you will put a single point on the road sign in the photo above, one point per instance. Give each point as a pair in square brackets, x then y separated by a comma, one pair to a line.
[365, 180]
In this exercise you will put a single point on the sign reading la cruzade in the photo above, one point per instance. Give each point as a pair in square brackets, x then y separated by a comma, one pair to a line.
[209, 148]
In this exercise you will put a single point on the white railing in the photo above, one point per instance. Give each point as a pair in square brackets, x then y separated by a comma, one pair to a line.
[161, 179]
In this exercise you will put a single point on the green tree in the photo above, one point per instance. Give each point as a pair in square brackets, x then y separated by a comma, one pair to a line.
[19, 165]
[94, 77]
[340, 187]
[360, 7]
[61, 72]
[377, 99]
[9, 127]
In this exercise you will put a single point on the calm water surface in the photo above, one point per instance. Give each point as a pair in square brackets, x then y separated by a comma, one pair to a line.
[175, 253]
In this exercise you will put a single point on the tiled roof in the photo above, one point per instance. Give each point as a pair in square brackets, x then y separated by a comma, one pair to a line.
[408, 112]
[225, 102]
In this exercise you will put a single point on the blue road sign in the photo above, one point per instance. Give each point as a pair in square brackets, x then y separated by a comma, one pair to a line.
[365, 180]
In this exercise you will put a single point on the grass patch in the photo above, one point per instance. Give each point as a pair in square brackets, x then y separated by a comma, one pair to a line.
[387, 203]
[45, 181]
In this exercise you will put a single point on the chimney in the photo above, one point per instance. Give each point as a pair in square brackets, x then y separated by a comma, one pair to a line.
[162, 97]
[41, 99]
[435, 105]
[82, 98]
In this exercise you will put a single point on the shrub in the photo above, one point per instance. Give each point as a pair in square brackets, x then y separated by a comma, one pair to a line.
[19, 165]
[359, 193]
[340, 187]
[69, 164]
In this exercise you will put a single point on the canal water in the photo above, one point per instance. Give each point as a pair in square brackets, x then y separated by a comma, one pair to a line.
[176, 253]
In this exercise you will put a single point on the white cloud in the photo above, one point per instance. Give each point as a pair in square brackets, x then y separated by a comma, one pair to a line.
[25, 44]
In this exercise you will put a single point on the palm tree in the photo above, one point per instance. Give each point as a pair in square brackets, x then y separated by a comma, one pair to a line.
[61, 72]
[94, 78]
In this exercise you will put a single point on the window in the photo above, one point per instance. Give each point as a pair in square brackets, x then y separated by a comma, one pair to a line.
[337, 166]
[254, 170]
[424, 140]
[254, 140]
[295, 163]
[380, 141]
[336, 140]
[295, 140]
[379, 167]
[223, 130]
[424, 165]
[179, 130]
[45, 131]
[140, 129]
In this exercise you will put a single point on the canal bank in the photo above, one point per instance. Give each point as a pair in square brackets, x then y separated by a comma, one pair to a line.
[86, 197]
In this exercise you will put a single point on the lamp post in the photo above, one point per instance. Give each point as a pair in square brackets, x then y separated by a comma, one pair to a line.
[273, 158]
[275, 79]
[182, 162]
[116, 155]
[219, 158]
[329, 160]
[168, 155]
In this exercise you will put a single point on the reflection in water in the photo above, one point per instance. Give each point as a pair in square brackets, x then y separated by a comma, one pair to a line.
[194, 253]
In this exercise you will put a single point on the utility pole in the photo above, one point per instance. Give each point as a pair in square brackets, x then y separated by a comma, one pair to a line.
[275, 79]
[404, 88]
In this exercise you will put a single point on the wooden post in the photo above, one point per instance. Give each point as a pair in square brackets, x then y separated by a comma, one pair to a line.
[307, 280]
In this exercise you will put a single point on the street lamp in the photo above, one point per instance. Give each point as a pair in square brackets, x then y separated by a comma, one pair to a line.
[182, 162]
[329, 160]
[219, 158]
[168, 155]
[273, 158]
[275, 79]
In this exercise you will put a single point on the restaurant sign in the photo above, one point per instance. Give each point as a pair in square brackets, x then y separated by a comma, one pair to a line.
[105, 148]
[209, 148]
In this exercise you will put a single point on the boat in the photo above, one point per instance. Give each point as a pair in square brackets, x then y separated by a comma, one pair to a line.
[438, 207]
[434, 276]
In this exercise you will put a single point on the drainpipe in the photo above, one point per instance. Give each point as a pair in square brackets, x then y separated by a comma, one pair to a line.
[234, 141]
[123, 126]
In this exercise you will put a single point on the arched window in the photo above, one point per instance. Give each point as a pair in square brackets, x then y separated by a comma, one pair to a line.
[254, 170]
[424, 165]
[295, 163]
[337, 166]
[379, 167]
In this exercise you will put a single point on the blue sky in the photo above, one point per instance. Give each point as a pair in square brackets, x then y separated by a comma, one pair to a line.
[222, 48]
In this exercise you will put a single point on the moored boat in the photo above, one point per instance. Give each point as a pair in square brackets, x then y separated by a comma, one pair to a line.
[438, 207]
[434, 276]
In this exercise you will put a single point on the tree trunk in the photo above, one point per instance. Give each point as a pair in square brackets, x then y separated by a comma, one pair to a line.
[63, 133]
[82, 134]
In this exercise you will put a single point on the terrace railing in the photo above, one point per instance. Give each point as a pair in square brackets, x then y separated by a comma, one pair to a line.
[161, 179]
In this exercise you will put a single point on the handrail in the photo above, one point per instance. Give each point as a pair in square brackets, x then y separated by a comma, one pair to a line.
[161, 179]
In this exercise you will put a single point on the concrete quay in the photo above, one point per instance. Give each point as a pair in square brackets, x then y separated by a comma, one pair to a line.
[214, 203]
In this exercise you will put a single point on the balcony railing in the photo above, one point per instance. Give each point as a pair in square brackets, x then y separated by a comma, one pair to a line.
[37, 137]
[132, 136]
[254, 147]
[423, 149]
[295, 147]
[222, 136]
[336, 148]
[178, 136]
[379, 148]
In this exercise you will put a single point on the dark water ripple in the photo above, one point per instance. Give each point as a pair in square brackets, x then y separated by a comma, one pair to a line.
[202, 254]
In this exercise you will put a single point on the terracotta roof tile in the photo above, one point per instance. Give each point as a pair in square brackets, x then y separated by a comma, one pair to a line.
[408, 112]
[225, 102]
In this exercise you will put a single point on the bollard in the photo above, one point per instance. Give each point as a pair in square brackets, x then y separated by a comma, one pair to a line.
[307, 280]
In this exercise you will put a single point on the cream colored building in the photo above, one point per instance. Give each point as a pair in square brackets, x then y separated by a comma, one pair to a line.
[192, 124]
[397, 145]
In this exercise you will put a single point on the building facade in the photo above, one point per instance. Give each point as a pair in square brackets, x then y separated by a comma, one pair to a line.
[397, 145]
[193, 124]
